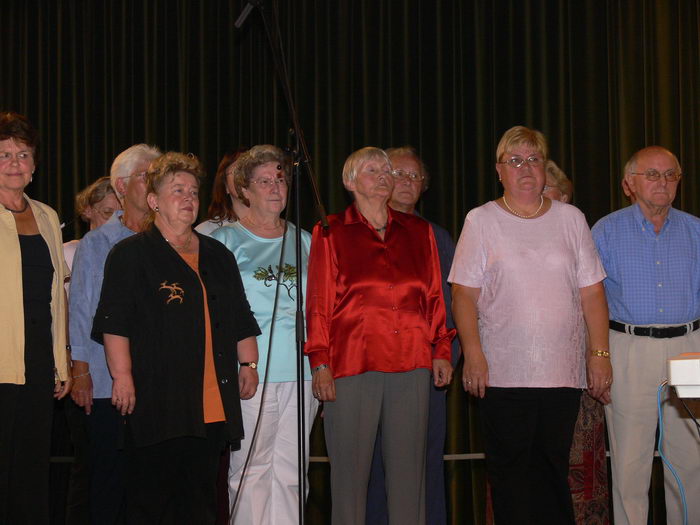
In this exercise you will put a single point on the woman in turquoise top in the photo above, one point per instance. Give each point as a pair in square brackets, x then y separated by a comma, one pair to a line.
[269, 493]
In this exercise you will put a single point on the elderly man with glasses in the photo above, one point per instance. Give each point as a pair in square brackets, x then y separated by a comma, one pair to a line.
[92, 388]
[651, 254]
[410, 181]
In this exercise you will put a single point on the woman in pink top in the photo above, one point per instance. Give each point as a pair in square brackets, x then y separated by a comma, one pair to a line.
[527, 284]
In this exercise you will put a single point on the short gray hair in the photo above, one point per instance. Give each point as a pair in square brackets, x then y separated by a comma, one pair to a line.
[632, 163]
[124, 163]
[245, 165]
[356, 159]
[410, 151]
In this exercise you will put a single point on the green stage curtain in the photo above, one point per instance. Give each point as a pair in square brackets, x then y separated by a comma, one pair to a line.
[601, 78]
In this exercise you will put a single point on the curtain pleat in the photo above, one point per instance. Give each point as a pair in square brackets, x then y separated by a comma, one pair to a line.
[601, 78]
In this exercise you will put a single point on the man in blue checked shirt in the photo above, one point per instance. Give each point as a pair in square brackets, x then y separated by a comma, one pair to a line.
[92, 382]
[651, 254]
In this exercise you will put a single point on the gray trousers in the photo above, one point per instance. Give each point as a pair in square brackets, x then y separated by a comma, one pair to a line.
[398, 404]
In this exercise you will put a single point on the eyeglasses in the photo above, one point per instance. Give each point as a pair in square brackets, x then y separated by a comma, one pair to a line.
[140, 175]
[6, 156]
[269, 183]
[549, 188]
[105, 213]
[410, 175]
[652, 175]
[518, 162]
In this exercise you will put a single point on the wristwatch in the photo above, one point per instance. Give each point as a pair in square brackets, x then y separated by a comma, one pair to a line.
[251, 364]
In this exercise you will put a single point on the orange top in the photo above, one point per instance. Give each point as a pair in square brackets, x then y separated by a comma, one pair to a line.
[213, 407]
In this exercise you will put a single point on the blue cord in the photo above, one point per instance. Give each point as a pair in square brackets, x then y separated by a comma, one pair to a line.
[663, 458]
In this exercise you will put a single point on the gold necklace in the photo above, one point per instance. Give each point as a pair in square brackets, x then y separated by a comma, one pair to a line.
[523, 216]
[183, 246]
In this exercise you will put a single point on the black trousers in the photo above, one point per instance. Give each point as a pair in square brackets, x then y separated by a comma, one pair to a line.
[527, 436]
[174, 482]
[26, 413]
[107, 464]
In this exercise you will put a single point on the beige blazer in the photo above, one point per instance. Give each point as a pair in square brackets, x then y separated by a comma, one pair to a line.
[11, 301]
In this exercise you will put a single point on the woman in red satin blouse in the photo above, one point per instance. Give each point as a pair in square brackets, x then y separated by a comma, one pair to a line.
[376, 331]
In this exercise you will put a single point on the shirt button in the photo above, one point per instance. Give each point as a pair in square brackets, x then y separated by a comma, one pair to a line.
[659, 285]
[219, 354]
[391, 287]
[223, 381]
[661, 309]
[396, 331]
[394, 308]
[658, 262]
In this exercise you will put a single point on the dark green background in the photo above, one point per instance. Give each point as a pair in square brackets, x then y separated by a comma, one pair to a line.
[600, 78]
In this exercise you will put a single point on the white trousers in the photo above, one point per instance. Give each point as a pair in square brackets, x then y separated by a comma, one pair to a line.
[639, 366]
[269, 494]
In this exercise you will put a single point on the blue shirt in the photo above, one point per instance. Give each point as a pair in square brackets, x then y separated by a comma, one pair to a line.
[446, 252]
[652, 279]
[85, 287]
[257, 259]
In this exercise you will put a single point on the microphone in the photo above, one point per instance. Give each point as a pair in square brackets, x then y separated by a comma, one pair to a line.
[246, 11]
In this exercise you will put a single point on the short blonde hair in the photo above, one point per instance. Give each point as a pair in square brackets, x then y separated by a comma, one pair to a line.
[168, 165]
[518, 136]
[563, 182]
[94, 193]
[356, 159]
[249, 160]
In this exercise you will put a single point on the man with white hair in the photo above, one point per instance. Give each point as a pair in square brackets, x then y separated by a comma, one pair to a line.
[411, 181]
[93, 383]
[651, 254]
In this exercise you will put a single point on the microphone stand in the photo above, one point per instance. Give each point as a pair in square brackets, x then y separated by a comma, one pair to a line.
[300, 157]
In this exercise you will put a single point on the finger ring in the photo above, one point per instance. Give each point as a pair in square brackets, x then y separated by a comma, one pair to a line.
[469, 382]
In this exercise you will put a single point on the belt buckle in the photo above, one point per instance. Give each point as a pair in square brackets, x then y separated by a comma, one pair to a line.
[654, 332]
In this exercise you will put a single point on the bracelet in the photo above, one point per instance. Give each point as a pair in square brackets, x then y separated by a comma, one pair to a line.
[81, 375]
[319, 367]
[601, 353]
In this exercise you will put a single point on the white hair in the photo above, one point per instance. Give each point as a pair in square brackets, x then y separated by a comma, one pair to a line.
[124, 163]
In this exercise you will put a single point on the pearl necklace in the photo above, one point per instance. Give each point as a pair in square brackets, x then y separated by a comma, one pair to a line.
[523, 216]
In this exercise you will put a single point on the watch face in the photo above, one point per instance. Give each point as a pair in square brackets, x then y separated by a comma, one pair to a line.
[253, 365]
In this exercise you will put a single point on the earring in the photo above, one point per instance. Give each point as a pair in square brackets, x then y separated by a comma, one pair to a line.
[156, 209]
